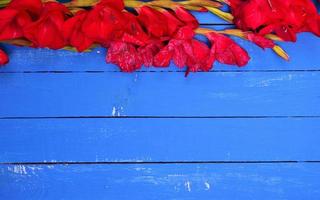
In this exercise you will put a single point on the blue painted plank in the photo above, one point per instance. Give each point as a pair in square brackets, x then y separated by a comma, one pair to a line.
[208, 18]
[28, 59]
[187, 182]
[159, 140]
[160, 94]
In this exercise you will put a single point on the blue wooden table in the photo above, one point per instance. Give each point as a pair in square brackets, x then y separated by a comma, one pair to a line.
[73, 127]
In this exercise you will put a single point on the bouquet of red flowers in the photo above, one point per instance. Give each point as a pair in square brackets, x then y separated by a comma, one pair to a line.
[155, 33]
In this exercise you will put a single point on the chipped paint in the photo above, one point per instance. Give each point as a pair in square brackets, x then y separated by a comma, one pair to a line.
[207, 185]
[113, 113]
[270, 81]
[18, 169]
[187, 185]
[116, 111]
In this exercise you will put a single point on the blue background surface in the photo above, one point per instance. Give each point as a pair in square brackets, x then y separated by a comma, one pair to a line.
[74, 127]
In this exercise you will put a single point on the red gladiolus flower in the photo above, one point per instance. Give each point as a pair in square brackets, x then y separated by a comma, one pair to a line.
[136, 47]
[3, 58]
[192, 54]
[185, 51]
[200, 58]
[124, 55]
[282, 17]
[165, 23]
[155, 34]
[302, 17]
[148, 52]
[16, 16]
[47, 30]
[73, 34]
[173, 23]
[175, 49]
[253, 14]
[104, 22]
[154, 21]
[134, 33]
[226, 51]
[186, 17]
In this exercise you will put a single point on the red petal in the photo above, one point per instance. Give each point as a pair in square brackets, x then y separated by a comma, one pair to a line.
[153, 20]
[33, 6]
[162, 59]
[116, 4]
[179, 56]
[124, 55]
[186, 17]
[147, 53]
[260, 41]
[227, 51]
[3, 58]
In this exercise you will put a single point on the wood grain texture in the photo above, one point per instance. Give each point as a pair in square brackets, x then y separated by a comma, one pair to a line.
[160, 94]
[159, 140]
[193, 182]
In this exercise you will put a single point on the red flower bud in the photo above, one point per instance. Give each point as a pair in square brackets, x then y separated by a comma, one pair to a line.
[186, 17]
[3, 58]
[16, 16]
[227, 51]
[154, 21]
[173, 23]
[104, 22]
[73, 34]
[200, 57]
[47, 30]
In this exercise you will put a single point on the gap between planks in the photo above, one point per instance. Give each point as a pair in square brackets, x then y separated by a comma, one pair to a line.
[160, 117]
[159, 162]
